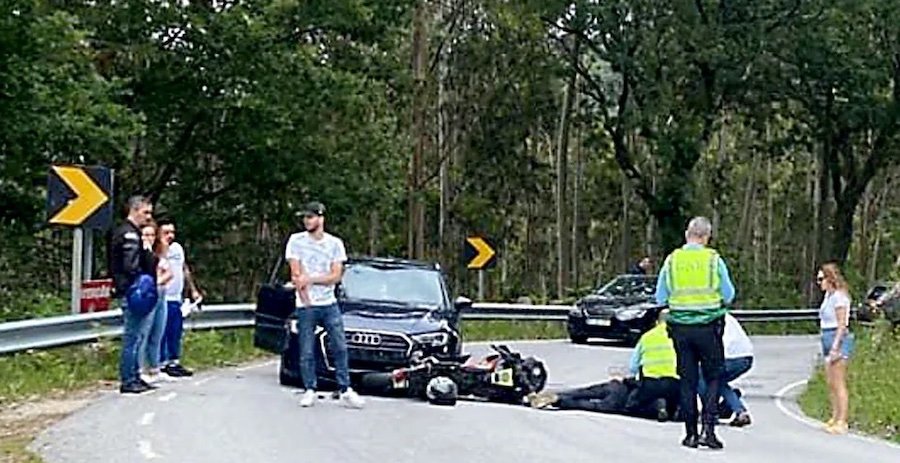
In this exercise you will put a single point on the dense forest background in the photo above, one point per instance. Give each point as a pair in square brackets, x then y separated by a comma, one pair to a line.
[577, 135]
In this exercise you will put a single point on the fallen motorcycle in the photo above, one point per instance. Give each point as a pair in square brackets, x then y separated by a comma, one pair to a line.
[501, 376]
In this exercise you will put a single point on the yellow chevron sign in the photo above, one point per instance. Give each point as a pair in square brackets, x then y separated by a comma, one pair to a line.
[79, 196]
[479, 254]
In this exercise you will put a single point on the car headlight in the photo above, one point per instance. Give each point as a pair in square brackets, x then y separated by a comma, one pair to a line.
[436, 339]
[630, 314]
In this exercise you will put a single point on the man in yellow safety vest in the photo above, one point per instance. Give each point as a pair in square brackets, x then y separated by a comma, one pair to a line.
[653, 363]
[695, 283]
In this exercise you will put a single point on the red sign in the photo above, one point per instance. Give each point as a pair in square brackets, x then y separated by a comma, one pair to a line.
[96, 295]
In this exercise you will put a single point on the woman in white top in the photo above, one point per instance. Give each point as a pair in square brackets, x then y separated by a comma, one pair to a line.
[156, 322]
[837, 342]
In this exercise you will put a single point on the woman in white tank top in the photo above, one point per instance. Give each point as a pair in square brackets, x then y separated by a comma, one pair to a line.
[837, 342]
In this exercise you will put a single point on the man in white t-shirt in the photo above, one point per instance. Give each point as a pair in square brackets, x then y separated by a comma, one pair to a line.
[738, 361]
[171, 343]
[317, 261]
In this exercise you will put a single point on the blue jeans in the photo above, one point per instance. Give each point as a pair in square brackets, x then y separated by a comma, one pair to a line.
[329, 316]
[132, 336]
[171, 344]
[734, 368]
[153, 334]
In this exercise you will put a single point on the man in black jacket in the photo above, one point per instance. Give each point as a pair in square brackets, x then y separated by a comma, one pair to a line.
[128, 260]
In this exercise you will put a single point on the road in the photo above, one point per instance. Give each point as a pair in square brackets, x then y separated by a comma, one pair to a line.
[243, 415]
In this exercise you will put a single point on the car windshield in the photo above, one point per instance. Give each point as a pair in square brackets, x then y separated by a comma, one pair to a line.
[629, 286]
[410, 286]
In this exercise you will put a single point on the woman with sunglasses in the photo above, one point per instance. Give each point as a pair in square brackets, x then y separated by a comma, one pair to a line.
[837, 342]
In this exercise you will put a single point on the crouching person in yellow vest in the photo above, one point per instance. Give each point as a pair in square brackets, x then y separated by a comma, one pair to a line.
[695, 283]
[653, 363]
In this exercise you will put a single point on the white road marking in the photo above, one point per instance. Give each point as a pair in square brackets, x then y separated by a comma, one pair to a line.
[147, 450]
[168, 397]
[779, 403]
[147, 419]
[203, 381]
[256, 365]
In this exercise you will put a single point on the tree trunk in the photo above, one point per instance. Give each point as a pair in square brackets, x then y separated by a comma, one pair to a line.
[442, 150]
[416, 227]
[562, 167]
[625, 242]
[576, 197]
[770, 217]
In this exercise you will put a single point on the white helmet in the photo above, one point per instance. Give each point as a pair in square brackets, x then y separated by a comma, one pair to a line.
[441, 390]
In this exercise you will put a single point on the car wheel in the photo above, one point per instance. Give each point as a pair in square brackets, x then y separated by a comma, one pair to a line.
[578, 339]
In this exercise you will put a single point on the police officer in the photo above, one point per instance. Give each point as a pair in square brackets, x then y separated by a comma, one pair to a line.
[654, 363]
[694, 282]
[128, 261]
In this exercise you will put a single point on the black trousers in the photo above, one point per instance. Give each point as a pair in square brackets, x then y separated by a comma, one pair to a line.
[609, 397]
[642, 401]
[699, 346]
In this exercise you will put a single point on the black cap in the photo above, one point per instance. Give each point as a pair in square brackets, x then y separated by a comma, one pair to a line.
[314, 208]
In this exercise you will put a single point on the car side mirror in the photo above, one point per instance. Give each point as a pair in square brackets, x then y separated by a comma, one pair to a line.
[462, 304]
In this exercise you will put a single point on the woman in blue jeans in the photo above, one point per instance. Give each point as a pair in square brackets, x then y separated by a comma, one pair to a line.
[837, 343]
[738, 361]
[155, 324]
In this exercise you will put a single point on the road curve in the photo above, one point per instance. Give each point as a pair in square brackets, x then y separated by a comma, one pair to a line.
[241, 415]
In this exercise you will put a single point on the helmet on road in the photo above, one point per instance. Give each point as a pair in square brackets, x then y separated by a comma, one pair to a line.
[441, 390]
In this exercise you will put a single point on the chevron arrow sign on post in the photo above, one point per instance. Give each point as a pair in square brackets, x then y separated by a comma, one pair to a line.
[79, 196]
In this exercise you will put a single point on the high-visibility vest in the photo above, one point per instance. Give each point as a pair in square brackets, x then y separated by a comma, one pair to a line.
[658, 359]
[694, 280]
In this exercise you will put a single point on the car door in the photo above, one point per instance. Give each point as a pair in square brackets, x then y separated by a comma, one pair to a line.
[275, 303]
[274, 306]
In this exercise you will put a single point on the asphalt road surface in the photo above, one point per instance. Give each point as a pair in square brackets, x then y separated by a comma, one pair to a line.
[243, 415]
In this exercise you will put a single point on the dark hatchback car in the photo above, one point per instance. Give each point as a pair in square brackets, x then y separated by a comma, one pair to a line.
[395, 311]
[623, 309]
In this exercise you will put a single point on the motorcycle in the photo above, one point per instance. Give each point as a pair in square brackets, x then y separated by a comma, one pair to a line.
[502, 376]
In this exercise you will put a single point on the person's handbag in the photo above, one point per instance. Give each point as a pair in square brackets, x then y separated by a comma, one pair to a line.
[142, 296]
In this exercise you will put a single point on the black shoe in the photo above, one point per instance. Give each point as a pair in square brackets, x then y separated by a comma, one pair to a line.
[662, 415]
[741, 420]
[708, 439]
[132, 388]
[175, 370]
[147, 386]
[691, 441]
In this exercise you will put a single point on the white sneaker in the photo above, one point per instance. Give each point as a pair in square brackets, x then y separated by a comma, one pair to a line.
[309, 398]
[165, 378]
[150, 378]
[351, 399]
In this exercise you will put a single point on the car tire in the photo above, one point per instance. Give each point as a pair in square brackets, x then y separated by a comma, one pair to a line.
[578, 339]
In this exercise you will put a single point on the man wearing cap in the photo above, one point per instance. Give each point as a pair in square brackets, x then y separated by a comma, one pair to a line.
[128, 262]
[316, 259]
[695, 283]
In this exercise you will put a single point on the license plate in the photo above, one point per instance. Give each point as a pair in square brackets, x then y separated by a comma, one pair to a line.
[598, 322]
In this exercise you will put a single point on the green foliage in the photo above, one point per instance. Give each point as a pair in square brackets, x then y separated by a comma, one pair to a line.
[20, 305]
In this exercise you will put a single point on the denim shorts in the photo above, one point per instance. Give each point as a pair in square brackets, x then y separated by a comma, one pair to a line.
[847, 343]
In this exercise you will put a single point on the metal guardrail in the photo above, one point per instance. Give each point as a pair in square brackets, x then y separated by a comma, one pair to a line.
[42, 333]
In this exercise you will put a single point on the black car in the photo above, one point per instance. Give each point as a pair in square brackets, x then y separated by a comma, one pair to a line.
[882, 301]
[395, 312]
[625, 308]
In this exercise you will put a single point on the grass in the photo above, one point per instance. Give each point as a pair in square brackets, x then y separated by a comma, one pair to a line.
[874, 384]
[500, 330]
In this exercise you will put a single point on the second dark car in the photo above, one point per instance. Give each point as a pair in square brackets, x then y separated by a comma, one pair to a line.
[623, 309]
